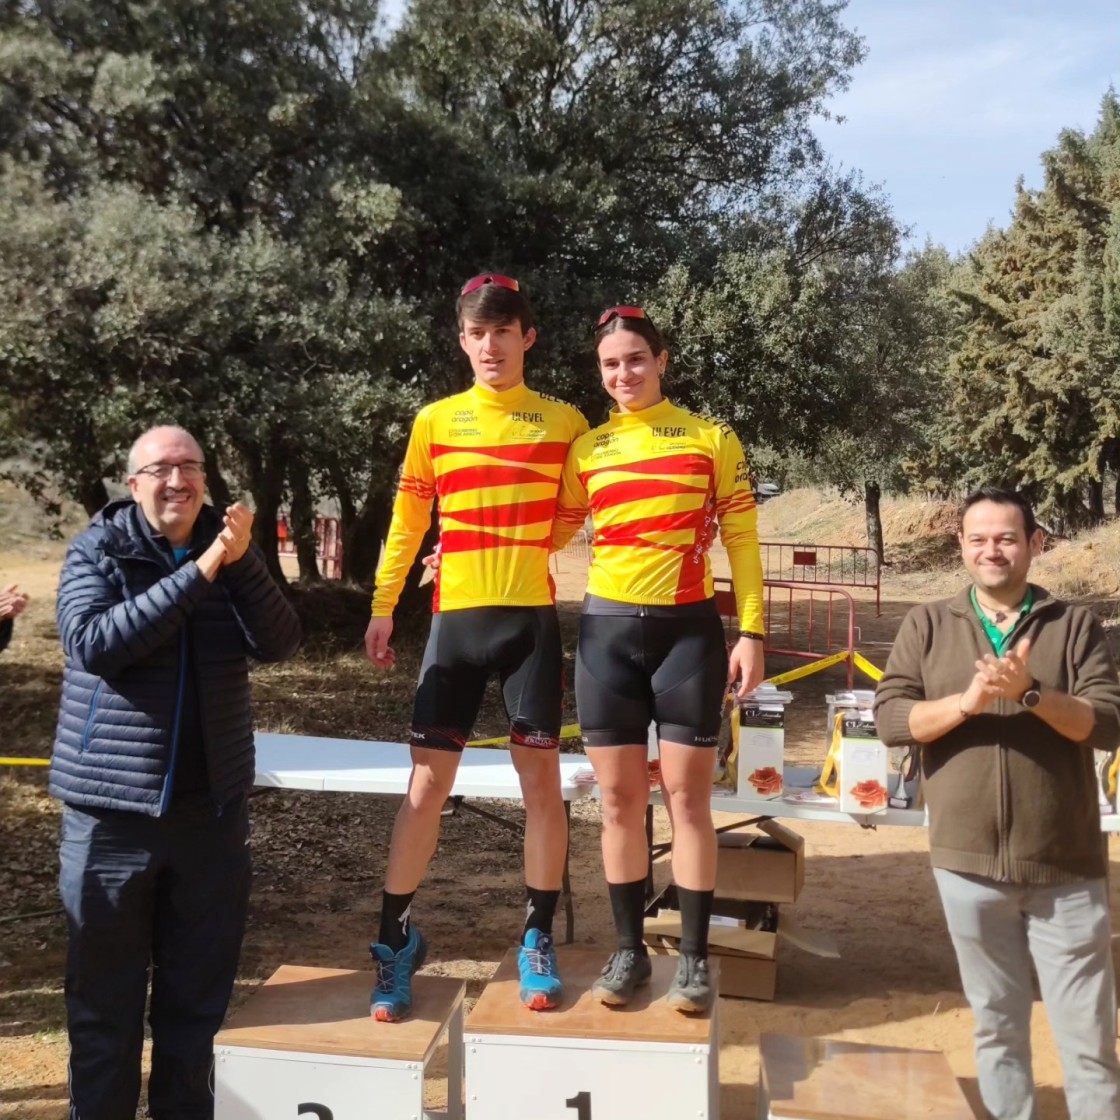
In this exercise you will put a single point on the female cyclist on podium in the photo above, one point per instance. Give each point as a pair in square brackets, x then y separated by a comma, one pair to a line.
[657, 481]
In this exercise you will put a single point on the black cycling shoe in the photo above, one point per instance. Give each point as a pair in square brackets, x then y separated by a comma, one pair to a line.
[626, 970]
[691, 989]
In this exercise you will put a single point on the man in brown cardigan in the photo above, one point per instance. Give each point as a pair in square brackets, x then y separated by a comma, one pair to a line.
[1009, 690]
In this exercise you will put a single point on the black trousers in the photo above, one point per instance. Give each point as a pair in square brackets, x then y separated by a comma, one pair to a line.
[169, 893]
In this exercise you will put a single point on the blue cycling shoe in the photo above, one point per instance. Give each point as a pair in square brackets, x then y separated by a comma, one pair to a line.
[391, 1000]
[541, 988]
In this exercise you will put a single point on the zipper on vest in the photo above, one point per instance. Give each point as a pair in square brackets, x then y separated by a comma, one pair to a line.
[92, 712]
[1004, 874]
[169, 781]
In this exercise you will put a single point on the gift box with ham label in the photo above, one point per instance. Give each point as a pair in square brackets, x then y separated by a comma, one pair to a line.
[864, 766]
[762, 742]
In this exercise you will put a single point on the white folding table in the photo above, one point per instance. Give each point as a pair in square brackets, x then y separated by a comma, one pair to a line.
[752, 809]
[802, 777]
[364, 766]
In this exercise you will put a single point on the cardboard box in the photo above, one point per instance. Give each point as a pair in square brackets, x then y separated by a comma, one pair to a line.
[739, 977]
[747, 965]
[762, 864]
[747, 950]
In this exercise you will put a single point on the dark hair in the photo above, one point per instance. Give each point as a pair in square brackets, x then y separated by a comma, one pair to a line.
[643, 327]
[494, 304]
[1002, 497]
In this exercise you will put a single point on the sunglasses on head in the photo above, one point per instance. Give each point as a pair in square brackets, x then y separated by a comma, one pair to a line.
[477, 282]
[620, 313]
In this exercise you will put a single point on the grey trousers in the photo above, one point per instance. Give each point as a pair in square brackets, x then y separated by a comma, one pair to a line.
[997, 930]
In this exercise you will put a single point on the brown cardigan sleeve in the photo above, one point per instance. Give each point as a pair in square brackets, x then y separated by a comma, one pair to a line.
[1095, 680]
[901, 687]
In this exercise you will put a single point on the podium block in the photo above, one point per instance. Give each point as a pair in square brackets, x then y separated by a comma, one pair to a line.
[585, 1061]
[818, 1079]
[304, 1044]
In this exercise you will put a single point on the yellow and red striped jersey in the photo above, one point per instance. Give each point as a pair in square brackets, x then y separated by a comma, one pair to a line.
[657, 482]
[493, 461]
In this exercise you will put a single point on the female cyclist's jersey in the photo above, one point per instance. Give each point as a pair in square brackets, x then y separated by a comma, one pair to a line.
[656, 483]
[493, 461]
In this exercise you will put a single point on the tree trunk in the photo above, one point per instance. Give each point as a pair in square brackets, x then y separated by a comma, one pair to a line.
[303, 521]
[1096, 500]
[216, 483]
[266, 483]
[92, 494]
[871, 495]
[1108, 463]
[362, 537]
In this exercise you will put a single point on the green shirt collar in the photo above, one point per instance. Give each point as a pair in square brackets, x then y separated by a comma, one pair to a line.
[999, 640]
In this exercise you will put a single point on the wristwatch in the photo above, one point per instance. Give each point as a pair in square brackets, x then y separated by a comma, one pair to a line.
[1033, 695]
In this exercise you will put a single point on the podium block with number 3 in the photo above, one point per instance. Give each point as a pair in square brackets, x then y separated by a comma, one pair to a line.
[585, 1061]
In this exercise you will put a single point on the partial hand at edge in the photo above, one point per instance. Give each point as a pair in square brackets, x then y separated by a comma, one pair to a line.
[747, 664]
[12, 601]
[378, 633]
[431, 566]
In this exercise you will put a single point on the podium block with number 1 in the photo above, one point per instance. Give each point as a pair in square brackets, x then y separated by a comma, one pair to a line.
[585, 1061]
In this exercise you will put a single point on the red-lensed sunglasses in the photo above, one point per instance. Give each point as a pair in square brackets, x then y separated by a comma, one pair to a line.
[477, 282]
[620, 313]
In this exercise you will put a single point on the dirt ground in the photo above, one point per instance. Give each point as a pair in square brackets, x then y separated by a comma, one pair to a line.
[319, 860]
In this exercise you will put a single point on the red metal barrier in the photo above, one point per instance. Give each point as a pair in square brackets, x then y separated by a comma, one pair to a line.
[578, 550]
[328, 544]
[822, 565]
[804, 625]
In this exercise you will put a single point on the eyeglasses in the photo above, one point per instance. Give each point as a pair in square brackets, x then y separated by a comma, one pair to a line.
[477, 282]
[620, 313]
[190, 470]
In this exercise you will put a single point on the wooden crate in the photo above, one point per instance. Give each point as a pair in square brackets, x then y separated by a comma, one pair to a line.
[818, 1079]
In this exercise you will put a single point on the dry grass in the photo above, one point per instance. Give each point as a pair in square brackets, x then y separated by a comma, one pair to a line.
[23, 522]
[918, 535]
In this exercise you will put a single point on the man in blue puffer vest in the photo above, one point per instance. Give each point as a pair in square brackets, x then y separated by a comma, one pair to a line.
[161, 602]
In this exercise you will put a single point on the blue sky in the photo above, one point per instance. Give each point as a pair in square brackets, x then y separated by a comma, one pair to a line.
[956, 99]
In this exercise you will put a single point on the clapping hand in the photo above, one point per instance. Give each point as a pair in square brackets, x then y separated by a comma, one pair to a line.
[12, 602]
[237, 532]
[1008, 676]
[998, 678]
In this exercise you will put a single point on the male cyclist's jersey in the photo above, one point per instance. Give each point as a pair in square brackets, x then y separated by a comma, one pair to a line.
[493, 461]
[656, 482]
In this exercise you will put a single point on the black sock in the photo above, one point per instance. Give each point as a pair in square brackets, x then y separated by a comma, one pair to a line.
[628, 904]
[394, 920]
[696, 916]
[541, 911]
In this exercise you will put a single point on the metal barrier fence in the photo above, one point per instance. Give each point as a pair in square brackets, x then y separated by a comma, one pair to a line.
[577, 551]
[328, 544]
[810, 565]
[802, 621]
[832, 565]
